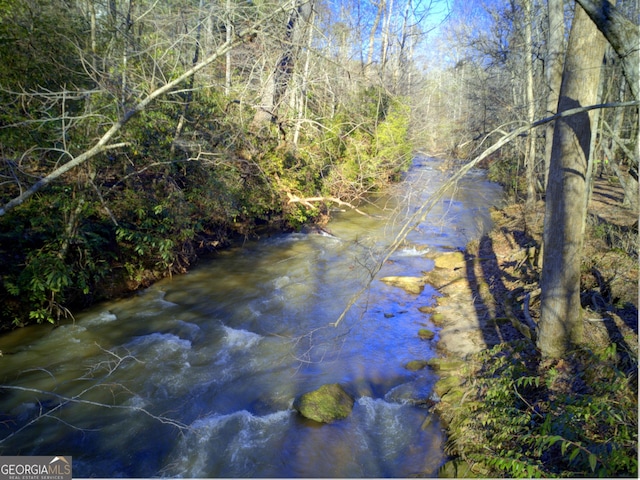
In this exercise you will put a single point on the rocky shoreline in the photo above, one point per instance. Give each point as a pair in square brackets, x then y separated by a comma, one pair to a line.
[488, 297]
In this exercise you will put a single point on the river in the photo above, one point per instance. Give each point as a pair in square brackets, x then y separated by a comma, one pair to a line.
[196, 375]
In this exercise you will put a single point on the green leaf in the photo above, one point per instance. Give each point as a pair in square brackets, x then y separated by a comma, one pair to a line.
[574, 454]
[592, 462]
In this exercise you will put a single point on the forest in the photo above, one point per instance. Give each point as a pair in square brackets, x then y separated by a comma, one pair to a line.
[138, 136]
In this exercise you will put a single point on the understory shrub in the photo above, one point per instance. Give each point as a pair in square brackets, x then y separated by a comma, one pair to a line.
[527, 417]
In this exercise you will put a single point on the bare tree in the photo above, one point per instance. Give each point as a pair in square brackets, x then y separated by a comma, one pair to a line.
[278, 80]
[554, 61]
[560, 318]
[104, 143]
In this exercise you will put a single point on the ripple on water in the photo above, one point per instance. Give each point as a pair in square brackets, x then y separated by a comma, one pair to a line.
[235, 445]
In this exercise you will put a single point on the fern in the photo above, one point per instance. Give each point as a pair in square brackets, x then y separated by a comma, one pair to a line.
[523, 419]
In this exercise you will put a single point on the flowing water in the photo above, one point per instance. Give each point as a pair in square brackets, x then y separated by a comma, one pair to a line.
[196, 376]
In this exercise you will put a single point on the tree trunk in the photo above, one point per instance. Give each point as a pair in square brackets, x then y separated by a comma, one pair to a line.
[530, 158]
[622, 34]
[560, 317]
[278, 82]
[374, 28]
[302, 97]
[386, 36]
[227, 62]
[555, 60]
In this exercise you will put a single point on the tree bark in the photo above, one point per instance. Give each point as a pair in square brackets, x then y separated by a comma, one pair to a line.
[555, 60]
[621, 33]
[560, 317]
[372, 35]
[278, 81]
[530, 158]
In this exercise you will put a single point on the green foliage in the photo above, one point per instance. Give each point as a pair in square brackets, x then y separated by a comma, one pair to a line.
[507, 172]
[524, 418]
[368, 144]
[142, 210]
[60, 254]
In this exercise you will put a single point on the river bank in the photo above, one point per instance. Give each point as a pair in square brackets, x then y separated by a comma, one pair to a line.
[505, 410]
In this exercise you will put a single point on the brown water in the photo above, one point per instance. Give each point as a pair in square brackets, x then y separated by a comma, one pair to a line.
[195, 376]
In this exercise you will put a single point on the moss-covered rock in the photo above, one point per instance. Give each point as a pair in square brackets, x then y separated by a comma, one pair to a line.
[440, 365]
[426, 334]
[415, 365]
[445, 384]
[325, 405]
[453, 396]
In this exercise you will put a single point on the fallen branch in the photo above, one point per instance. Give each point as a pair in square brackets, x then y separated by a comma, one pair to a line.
[307, 202]
[102, 144]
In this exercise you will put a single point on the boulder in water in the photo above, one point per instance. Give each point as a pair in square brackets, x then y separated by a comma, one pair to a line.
[426, 334]
[413, 285]
[450, 260]
[325, 405]
[415, 365]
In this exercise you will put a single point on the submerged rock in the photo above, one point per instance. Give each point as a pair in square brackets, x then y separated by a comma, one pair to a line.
[325, 405]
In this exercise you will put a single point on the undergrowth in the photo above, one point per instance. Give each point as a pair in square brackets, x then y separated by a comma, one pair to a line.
[523, 416]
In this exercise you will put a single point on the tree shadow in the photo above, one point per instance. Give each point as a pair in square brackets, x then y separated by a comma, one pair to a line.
[499, 289]
[492, 299]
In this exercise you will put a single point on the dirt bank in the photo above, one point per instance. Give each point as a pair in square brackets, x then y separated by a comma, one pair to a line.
[490, 294]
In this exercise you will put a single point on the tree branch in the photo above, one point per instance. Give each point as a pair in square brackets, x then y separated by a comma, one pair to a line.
[307, 202]
[101, 145]
[621, 33]
[420, 215]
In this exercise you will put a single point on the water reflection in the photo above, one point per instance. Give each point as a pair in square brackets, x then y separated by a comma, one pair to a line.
[196, 376]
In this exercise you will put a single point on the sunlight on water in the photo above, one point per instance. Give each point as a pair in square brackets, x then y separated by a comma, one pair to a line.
[196, 376]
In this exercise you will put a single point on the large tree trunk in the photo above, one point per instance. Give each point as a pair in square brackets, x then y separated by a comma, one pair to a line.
[561, 320]
[621, 33]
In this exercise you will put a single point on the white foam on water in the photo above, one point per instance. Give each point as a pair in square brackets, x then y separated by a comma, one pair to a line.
[187, 329]
[240, 338]
[280, 282]
[102, 317]
[136, 401]
[383, 425]
[228, 445]
[412, 252]
[168, 341]
[165, 359]
[67, 333]
[235, 342]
